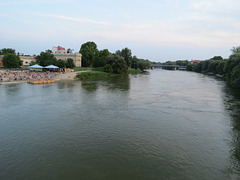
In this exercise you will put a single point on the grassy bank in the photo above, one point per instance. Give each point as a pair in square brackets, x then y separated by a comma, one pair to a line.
[98, 72]
[134, 71]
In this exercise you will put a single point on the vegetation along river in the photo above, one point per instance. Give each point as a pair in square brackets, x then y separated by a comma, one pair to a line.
[158, 125]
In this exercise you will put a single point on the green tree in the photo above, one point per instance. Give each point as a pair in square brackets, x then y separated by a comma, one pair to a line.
[11, 61]
[135, 63]
[100, 59]
[126, 54]
[69, 50]
[48, 51]
[144, 64]
[70, 63]
[61, 63]
[235, 50]
[231, 69]
[7, 51]
[88, 51]
[118, 63]
[217, 58]
[45, 59]
[235, 77]
[108, 68]
[190, 67]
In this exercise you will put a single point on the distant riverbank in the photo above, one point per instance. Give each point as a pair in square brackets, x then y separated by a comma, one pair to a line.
[20, 76]
[95, 73]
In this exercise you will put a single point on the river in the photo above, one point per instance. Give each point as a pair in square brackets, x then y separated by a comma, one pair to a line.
[157, 125]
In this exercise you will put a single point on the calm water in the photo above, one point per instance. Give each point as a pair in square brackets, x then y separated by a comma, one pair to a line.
[158, 125]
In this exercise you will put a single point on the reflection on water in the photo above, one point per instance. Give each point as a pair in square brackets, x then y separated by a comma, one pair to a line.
[11, 89]
[161, 125]
[232, 104]
[111, 83]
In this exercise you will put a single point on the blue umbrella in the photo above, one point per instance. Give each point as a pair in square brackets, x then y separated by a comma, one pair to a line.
[51, 67]
[35, 66]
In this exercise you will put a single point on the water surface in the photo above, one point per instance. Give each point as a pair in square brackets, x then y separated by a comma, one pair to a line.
[157, 125]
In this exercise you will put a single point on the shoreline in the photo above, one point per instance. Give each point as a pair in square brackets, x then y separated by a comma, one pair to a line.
[57, 76]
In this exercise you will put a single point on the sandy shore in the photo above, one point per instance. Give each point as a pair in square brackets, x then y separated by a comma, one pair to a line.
[14, 77]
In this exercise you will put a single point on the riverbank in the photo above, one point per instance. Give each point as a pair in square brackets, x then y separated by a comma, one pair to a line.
[99, 73]
[15, 77]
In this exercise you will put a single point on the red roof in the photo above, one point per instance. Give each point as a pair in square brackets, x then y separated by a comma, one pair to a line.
[197, 61]
[60, 48]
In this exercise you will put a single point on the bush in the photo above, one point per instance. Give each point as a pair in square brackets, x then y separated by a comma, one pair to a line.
[108, 68]
[118, 64]
[70, 63]
[235, 76]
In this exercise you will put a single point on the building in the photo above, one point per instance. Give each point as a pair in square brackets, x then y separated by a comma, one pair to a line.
[59, 50]
[27, 60]
[60, 53]
[1, 63]
[194, 61]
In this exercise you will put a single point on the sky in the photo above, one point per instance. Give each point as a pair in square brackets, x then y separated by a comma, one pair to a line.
[158, 30]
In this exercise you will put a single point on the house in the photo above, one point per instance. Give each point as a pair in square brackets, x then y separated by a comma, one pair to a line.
[194, 61]
[60, 53]
[27, 59]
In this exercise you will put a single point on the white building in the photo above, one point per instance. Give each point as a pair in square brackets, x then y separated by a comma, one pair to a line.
[61, 53]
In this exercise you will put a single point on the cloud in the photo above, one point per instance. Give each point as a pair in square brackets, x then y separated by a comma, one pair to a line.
[202, 4]
[81, 20]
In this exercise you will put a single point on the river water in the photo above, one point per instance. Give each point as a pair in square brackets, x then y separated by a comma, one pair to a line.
[157, 125]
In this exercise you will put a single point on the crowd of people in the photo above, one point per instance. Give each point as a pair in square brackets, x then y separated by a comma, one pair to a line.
[26, 75]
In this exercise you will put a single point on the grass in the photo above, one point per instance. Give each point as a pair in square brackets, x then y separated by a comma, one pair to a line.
[82, 68]
[134, 71]
[98, 72]
[92, 74]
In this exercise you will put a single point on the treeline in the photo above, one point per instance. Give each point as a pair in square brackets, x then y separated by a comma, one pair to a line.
[11, 60]
[47, 58]
[228, 68]
[117, 62]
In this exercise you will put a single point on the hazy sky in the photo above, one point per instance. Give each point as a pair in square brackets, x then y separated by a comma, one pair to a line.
[158, 30]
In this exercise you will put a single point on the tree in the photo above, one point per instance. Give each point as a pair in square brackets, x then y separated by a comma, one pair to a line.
[45, 59]
[88, 51]
[7, 51]
[11, 61]
[235, 50]
[32, 63]
[70, 63]
[100, 59]
[144, 64]
[235, 76]
[135, 62]
[231, 69]
[48, 51]
[108, 68]
[126, 54]
[69, 50]
[61, 63]
[217, 58]
[118, 63]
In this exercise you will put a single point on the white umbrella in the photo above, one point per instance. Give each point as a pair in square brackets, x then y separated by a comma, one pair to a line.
[51, 67]
[35, 66]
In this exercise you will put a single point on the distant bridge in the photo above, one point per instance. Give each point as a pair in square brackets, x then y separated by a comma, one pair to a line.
[169, 67]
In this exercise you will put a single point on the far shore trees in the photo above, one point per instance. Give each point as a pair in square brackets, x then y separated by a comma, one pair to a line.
[118, 64]
[70, 63]
[126, 54]
[5, 51]
[61, 63]
[88, 51]
[123, 59]
[46, 58]
[11, 61]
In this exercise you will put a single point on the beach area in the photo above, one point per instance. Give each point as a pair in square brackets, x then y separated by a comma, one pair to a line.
[22, 76]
